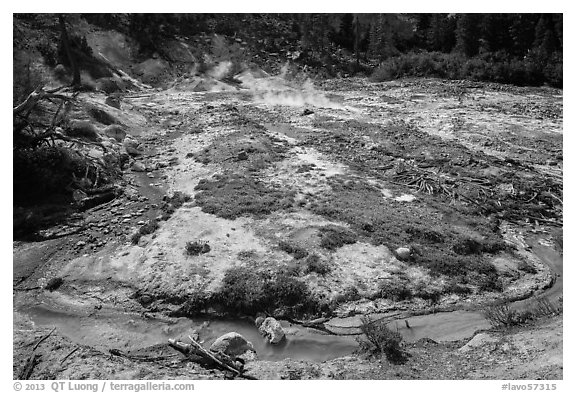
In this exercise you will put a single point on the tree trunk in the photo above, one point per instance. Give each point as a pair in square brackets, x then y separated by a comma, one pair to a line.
[357, 40]
[75, 70]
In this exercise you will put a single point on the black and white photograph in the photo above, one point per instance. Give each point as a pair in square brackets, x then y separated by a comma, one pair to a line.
[286, 196]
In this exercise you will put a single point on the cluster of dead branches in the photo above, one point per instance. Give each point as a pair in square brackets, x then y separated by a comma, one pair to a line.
[31, 128]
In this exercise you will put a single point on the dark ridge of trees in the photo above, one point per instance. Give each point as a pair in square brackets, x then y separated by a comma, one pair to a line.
[528, 44]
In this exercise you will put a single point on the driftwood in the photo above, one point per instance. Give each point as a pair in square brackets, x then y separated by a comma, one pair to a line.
[38, 94]
[138, 358]
[43, 339]
[69, 354]
[26, 372]
[219, 359]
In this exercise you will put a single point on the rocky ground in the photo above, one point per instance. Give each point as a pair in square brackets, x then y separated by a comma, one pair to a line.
[393, 199]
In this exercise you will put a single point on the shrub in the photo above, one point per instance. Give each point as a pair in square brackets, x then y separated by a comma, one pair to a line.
[384, 340]
[197, 247]
[527, 267]
[349, 294]
[146, 229]
[295, 251]
[395, 290]
[534, 69]
[333, 237]
[250, 292]
[501, 314]
[316, 265]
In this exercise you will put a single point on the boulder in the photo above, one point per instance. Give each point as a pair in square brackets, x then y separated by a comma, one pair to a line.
[101, 116]
[479, 340]
[82, 129]
[114, 102]
[138, 167]
[132, 147]
[272, 331]
[403, 253]
[115, 131]
[232, 344]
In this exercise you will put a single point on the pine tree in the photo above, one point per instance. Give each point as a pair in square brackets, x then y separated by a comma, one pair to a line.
[545, 40]
[495, 32]
[468, 34]
[521, 33]
[440, 35]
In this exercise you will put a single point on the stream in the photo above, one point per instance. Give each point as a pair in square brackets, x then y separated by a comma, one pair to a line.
[109, 328]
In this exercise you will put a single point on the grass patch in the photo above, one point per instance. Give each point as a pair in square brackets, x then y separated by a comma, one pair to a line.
[292, 249]
[249, 292]
[146, 229]
[314, 264]
[172, 202]
[423, 229]
[503, 314]
[396, 290]
[231, 196]
[382, 340]
[333, 237]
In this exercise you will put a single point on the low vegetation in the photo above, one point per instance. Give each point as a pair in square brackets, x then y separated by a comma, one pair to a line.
[333, 237]
[382, 340]
[146, 229]
[505, 314]
[197, 247]
[491, 67]
[233, 195]
[315, 264]
[172, 202]
[249, 292]
[296, 251]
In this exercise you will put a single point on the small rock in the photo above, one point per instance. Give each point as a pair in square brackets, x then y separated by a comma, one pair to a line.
[259, 321]
[81, 243]
[132, 147]
[150, 175]
[242, 156]
[115, 131]
[54, 283]
[232, 344]
[403, 253]
[272, 330]
[138, 167]
[113, 102]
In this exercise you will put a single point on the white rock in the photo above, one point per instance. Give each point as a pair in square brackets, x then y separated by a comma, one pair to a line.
[232, 344]
[403, 253]
[138, 167]
[478, 340]
[272, 331]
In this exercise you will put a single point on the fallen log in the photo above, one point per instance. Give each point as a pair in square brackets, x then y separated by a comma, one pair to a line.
[218, 359]
[26, 372]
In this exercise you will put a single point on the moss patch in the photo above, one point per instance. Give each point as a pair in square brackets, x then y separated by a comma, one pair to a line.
[249, 292]
[423, 229]
[232, 195]
[333, 237]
